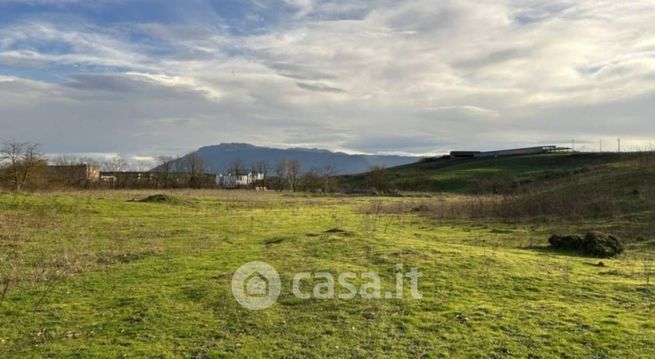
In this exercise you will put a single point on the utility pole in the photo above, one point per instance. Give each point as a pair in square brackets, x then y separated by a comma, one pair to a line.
[600, 145]
[618, 141]
[573, 145]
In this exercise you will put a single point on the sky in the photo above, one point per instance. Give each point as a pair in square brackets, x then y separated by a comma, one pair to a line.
[144, 78]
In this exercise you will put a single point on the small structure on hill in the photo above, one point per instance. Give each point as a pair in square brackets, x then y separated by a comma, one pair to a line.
[464, 154]
[509, 152]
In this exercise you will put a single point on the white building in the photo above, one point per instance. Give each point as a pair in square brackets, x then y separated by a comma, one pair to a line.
[230, 180]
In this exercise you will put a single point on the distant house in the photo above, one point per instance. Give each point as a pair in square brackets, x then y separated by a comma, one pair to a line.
[230, 180]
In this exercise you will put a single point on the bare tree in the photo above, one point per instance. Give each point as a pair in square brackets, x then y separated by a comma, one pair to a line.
[165, 167]
[237, 168]
[311, 181]
[64, 161]
[378, 179]
[287, 172]
[116, 164]
[195, 167]
[33, 160]
[10, 158]
[327, 172]
[261, 167]
[292, 171]
[280, 174]
[88, 160]
[22, 161]
[142, 165]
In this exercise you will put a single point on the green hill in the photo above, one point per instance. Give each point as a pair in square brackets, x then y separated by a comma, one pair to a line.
[483, 175]
[609, 191]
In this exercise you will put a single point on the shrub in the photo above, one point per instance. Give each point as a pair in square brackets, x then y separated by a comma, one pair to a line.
[596, 244]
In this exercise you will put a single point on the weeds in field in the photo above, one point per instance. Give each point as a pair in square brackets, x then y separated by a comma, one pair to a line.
[566, 269]
[8, 277]
[648, 271]
[518, 207]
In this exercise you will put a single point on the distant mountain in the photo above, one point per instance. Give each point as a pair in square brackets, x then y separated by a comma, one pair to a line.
[220, 158]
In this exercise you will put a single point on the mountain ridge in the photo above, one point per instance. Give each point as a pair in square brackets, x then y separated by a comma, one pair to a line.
[220, 158]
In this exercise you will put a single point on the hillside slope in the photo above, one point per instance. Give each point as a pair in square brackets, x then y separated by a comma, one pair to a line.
[483, 175]
[622, 189]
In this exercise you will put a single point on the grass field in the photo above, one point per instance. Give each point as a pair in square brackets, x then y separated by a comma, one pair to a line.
[96, 274]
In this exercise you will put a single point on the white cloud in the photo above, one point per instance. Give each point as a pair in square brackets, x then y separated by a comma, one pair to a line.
[212, 93]
[464, 73]
[303, 7]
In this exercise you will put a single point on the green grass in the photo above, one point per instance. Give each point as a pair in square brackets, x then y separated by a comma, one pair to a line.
[99, 275]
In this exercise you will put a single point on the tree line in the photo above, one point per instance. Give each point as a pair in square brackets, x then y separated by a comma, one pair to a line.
[20, 164]
[23, 166]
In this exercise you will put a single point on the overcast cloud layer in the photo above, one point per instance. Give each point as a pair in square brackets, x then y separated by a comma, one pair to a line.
[157, 77]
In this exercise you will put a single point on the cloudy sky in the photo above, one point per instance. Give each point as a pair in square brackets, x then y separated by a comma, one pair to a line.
[148, 77]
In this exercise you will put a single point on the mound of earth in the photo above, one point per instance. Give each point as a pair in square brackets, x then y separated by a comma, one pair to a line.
[340, 231]
[596, 244]
[158, 198]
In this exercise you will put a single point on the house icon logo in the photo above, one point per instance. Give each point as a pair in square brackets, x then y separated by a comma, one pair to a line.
[256, 285]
